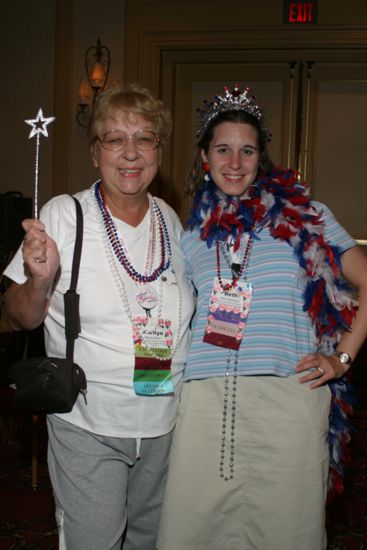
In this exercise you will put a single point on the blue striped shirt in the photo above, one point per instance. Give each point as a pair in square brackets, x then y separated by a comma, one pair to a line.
[278, 332]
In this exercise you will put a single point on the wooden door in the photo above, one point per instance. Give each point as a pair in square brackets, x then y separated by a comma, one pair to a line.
[334, 141]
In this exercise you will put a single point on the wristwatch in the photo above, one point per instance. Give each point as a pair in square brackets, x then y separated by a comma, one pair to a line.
[343, 357]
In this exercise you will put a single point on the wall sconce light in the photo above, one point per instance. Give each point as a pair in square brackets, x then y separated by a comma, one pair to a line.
[97, 68]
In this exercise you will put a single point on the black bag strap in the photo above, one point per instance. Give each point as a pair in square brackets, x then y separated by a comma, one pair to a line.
[71, 298]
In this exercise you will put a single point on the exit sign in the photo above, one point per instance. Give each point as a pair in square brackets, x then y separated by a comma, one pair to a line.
[300, 12]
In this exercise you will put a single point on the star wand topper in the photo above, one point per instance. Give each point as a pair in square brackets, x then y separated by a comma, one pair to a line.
[39, 126]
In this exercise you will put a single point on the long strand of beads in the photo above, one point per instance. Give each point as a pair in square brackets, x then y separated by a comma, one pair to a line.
[151, 243]
[120, 287]
[229, 407]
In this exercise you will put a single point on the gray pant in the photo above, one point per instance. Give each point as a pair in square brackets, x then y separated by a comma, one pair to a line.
[106, 498]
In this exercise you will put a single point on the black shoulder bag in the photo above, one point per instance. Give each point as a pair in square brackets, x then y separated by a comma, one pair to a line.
[52, 384]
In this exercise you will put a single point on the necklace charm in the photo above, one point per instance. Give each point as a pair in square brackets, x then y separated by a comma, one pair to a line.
[235, 268]
[147, 298]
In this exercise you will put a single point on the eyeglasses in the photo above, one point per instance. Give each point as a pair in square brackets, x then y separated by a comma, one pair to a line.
[116, 140]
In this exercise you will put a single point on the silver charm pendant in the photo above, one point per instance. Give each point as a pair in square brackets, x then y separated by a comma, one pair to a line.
[147, 298]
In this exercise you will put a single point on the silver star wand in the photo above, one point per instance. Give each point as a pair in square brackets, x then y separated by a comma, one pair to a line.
[39, 126]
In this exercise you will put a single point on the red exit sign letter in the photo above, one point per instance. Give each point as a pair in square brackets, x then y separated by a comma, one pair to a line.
[299, 12]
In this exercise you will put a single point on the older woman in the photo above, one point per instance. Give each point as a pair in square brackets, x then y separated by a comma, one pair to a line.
[274, 332]
[108, 457]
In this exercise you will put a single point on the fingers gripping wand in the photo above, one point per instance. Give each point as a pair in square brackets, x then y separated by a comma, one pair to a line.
[39, 126]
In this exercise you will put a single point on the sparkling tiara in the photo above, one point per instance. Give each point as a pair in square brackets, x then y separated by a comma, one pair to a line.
[234, 100]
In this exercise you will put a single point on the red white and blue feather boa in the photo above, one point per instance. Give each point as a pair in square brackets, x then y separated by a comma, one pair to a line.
[281, 203]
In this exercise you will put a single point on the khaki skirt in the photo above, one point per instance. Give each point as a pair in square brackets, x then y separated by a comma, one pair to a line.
[277, 445]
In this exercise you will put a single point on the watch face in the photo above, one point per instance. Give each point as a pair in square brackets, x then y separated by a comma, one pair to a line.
[344, 357]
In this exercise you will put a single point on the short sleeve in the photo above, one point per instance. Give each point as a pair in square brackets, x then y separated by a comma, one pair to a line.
[335, 233]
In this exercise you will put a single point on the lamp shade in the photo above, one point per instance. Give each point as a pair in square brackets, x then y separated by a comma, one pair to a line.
[98, 75]
[84, 92]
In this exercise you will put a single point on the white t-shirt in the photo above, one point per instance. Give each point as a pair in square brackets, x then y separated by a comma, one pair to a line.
[104, 348]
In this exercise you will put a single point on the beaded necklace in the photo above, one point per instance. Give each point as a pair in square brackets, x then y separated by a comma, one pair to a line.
[107, 228]
[119, 248]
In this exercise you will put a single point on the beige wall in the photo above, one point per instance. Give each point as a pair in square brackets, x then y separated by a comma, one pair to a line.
[43, 44]
[27, 53]
[93, 19]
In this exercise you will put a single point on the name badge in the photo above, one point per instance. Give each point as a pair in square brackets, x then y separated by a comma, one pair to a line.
[227, 313]
[153, 342]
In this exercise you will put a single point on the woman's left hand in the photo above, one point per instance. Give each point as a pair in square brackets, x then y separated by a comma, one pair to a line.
[324, 368]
